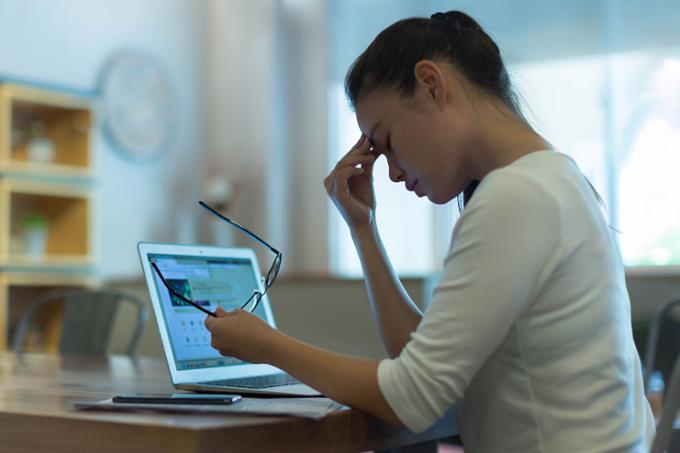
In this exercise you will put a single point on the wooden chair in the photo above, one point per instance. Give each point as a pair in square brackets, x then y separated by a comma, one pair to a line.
[88, 317]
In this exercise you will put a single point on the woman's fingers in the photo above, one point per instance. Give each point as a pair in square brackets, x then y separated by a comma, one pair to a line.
[340, 175]
[361, 140]
[366, 162]
[343, 176]
[363, 146]
[354, 160]
[360, 154]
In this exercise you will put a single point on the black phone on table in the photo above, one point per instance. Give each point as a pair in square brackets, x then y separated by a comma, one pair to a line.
[178, 398]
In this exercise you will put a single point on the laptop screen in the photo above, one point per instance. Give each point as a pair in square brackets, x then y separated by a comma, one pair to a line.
[209, 281]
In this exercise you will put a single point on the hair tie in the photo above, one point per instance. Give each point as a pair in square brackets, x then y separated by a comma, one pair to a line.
[455, 19]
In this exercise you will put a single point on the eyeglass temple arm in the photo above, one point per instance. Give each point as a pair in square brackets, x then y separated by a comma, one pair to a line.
[255, 294]
[243, 229]
[175, 293]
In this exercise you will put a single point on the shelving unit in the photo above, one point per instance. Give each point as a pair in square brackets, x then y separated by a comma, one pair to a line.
[46, 200]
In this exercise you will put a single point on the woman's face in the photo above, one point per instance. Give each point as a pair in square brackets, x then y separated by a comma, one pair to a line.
[418, 139]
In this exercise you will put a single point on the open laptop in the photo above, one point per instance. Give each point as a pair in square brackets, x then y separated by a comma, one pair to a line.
[211, 276]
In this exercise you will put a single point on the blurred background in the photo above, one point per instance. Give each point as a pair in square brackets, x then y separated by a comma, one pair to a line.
[117, 116]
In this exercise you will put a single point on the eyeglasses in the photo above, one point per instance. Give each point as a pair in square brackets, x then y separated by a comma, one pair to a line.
[255, 299]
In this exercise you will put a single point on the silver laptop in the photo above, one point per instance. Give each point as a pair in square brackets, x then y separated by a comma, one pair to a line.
[211, 276]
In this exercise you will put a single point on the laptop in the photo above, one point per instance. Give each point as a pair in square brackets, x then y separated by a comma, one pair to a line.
[211, 276]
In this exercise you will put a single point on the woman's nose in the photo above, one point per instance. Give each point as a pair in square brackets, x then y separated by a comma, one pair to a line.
[396, 174]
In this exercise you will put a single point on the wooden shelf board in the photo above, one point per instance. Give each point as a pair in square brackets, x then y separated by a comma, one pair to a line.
[52, 278]
[36, 169]
[45, 188]
[44, 97]
[46, 262]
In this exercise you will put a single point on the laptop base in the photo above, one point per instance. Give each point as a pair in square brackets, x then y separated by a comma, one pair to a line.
[281, 390]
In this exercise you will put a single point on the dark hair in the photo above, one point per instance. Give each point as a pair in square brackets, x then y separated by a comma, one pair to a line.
[453, 37]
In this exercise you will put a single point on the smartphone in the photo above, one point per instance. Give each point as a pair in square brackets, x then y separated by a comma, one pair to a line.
[178, 398]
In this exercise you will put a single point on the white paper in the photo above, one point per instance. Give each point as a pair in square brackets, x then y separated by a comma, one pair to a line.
[313, 408]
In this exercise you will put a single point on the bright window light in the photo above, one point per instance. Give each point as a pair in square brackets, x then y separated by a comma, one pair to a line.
[618, 116]
[649, 169]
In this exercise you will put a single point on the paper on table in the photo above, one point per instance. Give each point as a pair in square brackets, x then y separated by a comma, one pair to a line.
[314, 408]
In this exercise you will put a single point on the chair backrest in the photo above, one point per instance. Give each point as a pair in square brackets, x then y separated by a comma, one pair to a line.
[87, 321]
[653, 336]
[669, 412]
[671, 402]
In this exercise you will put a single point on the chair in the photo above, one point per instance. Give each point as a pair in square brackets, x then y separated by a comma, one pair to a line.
[653, 336]
[671, 403]
[87, 321]
[669, 412]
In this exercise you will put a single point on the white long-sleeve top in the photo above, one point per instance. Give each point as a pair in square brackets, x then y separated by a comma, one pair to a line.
[529, 327]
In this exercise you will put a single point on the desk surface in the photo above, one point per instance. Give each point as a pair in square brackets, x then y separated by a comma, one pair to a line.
[35, 415]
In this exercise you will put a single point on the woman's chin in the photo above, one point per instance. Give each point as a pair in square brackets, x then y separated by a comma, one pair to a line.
[439, 198]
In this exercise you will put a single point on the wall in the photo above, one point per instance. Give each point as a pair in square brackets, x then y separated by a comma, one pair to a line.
[239, 75]
[267, 122]
[326, 312]
[65, 43]
[335, 314]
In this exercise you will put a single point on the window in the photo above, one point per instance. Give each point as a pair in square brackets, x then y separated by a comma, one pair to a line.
[618, 116]
[649, 157]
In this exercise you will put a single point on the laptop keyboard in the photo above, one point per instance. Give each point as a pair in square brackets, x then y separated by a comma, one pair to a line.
[258, 382]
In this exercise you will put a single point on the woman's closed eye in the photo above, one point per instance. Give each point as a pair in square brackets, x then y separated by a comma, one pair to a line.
[384, 147]
[378, 148]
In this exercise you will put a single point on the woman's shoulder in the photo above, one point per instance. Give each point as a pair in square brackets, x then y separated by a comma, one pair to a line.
[539, 165]
[533, 171]
[540, 175]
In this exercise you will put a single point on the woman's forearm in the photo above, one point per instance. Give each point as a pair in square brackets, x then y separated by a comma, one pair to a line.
[394, 311]
[349, 380]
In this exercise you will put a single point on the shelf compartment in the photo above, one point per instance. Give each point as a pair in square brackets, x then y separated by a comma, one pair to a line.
[17, 290]
[65, 209]
[62, 119]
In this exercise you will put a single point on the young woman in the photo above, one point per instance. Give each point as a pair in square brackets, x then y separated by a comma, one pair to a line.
[529, 329]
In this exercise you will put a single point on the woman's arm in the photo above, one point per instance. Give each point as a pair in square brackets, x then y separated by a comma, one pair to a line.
[395, 313]
[350, 186]
[349, 380]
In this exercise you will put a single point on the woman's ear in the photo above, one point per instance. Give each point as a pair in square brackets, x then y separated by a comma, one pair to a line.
[430, 81]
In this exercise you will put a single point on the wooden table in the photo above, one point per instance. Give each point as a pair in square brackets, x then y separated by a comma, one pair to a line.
[36, 415]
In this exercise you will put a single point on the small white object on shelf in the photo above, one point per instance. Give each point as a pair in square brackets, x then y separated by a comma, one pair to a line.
[40, 148]
[34, 229]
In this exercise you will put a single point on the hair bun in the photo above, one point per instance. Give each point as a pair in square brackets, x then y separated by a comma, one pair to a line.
[455, 18]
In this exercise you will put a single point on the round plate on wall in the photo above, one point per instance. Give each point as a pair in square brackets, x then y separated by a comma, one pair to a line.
[138, 105]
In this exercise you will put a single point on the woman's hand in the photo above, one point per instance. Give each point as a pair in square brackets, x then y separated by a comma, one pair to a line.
[351, 187]
[240, 334]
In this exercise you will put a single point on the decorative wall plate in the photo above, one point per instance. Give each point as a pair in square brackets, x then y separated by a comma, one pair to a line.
[139, 105]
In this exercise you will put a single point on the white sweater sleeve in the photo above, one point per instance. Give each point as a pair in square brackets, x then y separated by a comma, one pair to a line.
[504, 247]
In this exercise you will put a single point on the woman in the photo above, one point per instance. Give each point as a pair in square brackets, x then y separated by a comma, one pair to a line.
[529, 329]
